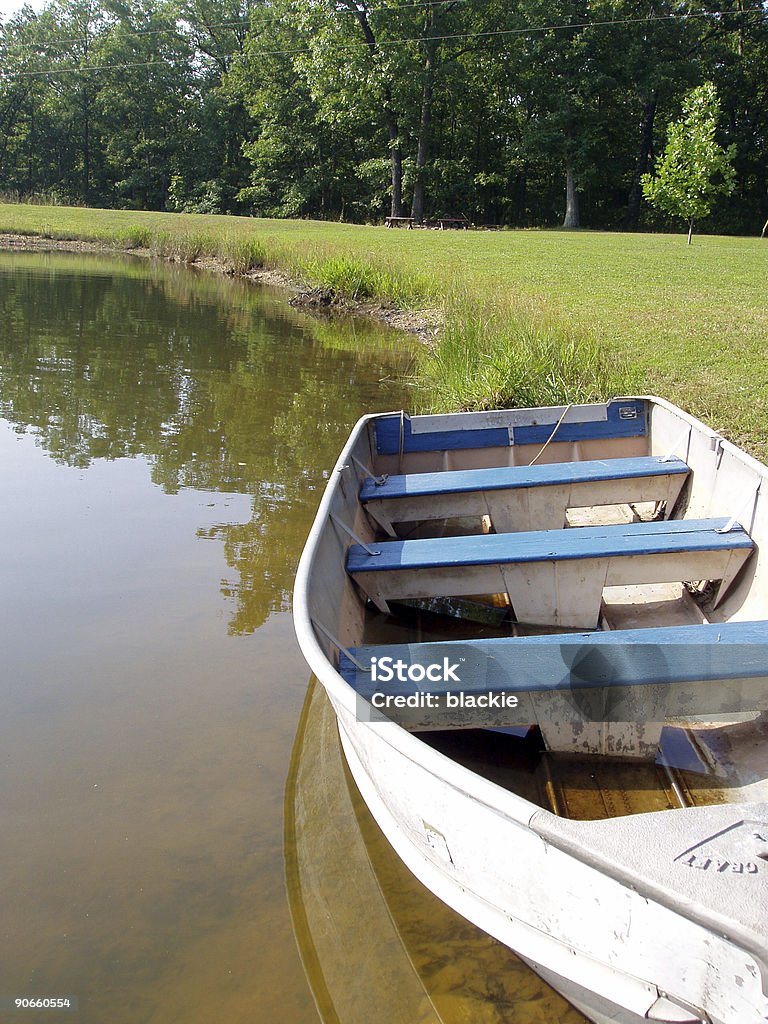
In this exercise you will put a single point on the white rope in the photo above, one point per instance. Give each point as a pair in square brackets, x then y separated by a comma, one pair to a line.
[538, 455]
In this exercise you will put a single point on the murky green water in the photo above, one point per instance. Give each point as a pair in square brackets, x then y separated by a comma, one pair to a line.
[163, 442]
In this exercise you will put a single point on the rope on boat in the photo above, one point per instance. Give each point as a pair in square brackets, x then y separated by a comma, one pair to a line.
[547, 443]
[402, 442]
[685, 436]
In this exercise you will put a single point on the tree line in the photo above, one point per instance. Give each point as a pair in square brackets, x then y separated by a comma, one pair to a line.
[509, 112]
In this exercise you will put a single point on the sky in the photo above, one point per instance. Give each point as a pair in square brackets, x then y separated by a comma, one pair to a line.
[9, 7]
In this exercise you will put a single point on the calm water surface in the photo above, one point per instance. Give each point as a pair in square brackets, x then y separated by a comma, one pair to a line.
[162, 444]
[163, 437]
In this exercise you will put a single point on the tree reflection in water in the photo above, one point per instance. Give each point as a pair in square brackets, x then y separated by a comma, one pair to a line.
[220, 385]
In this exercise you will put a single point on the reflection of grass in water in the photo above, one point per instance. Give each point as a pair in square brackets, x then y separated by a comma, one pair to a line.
[349, 334]
[236, 297]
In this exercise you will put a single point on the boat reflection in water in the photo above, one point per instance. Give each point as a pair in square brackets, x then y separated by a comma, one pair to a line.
[376, 945]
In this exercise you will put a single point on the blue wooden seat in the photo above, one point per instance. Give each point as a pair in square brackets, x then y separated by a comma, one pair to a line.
[522, 497]
[552, 576]
[576, 680]
[706, 653]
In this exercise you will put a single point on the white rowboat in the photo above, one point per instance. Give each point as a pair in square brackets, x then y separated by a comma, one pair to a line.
[583, 773]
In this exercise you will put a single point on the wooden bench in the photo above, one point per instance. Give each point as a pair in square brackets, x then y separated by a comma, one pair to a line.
[571, 683]
[522, 497]
[551, 576]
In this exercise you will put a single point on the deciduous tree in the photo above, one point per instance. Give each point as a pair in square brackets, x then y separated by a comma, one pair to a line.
[695, 169]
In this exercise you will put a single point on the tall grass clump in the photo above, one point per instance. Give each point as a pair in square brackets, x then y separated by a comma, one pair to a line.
[408, 291]
[497, 356]
[134, 237]
[344, 276]
[353, 278]
[242, 254]
[185, 248]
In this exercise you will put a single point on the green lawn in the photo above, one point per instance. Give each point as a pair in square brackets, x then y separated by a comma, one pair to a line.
[691, 322]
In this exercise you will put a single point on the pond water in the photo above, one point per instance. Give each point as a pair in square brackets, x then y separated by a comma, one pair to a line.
[163, 441]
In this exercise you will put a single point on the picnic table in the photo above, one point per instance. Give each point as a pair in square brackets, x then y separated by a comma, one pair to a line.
[398, 222]
[444, 223]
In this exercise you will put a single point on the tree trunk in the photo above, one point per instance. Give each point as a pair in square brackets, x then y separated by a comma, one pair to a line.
[86, 147]
[422, 149]
[690, 230]
[395, 153]
[425, 119]
[571, 219]
[8, 122]
[396, 158]
[765, 228]
[86, 111]
[641, 164]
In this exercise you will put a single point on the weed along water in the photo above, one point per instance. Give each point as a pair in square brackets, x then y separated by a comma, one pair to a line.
[163, 436]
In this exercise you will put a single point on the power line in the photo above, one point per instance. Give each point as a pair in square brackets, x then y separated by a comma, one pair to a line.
[245, 22]
[528, 30]
[140, 32]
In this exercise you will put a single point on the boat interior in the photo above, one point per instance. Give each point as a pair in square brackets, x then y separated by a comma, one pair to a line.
[629, 522]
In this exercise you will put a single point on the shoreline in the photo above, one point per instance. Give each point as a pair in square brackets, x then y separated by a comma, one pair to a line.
[506, 319]
[422, 324]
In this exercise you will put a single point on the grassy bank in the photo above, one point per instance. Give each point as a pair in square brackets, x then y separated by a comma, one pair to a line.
[531, 317]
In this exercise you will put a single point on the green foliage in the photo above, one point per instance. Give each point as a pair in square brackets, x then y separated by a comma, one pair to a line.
[205, 197]
[695, 169]
[176, 194]
[287, 108]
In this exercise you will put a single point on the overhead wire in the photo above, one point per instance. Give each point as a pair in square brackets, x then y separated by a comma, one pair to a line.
[246, 21]
[381, 44]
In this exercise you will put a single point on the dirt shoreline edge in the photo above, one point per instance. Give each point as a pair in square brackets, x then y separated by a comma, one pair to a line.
[423, 324]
